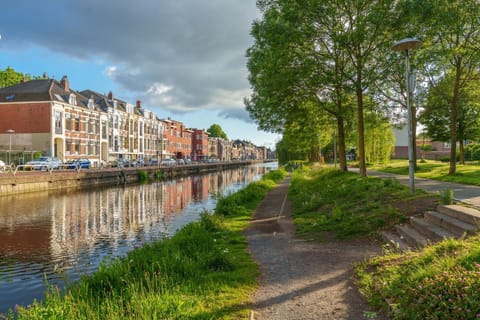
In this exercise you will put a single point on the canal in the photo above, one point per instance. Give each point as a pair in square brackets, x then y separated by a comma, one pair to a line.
[57, 237]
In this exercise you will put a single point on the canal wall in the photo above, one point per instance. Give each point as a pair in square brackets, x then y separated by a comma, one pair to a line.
[33, 181]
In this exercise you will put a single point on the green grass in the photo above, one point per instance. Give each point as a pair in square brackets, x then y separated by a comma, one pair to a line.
[430, 169]
[440, 282]
[203, 272]
[330, 202]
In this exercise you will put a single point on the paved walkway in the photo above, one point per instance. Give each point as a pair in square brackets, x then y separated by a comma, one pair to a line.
[461, 192]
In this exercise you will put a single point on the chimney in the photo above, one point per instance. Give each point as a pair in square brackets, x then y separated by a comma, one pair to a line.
[139, 104]
[110, 95]
[64, 84]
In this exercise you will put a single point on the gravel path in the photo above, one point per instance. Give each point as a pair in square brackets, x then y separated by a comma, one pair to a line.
[300, 279]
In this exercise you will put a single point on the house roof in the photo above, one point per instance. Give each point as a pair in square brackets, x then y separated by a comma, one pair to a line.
[40, 90]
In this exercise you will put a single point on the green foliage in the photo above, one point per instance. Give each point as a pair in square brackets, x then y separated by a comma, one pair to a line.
[343, 204]
[143, 176]
[10, 77]
[159, 175]
[472, 152]
[216, 131]
[446, 196]
[440, 282]
[426, 147]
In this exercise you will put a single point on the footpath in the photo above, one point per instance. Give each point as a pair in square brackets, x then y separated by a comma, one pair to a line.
[303, 279]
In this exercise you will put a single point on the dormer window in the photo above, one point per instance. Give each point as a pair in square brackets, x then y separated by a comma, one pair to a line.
[72, 99]
[90, 104]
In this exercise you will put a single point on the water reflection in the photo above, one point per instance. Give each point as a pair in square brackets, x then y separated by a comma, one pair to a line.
[64, 235]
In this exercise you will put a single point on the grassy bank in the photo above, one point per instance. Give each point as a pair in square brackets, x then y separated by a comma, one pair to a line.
[203, 272]
[440, 282]
[329, 203]
[430, 169]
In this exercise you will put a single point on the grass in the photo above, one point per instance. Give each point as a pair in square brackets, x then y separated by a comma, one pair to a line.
[439, 282]
[330, 202]
[468, 173]
[203, 272]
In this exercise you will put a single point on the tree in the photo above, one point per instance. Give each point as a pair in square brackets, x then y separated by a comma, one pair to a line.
[10, 77]
[315, 50]
[216, 131]
[451, 47]
[436, 116]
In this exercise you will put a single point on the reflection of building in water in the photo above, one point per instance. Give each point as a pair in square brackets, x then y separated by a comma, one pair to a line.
[62, 224]
[199, 187]
[82, 219]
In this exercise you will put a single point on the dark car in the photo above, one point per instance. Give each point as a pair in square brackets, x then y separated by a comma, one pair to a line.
[78, 164]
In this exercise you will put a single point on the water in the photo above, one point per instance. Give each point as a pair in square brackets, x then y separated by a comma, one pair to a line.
[61, 236]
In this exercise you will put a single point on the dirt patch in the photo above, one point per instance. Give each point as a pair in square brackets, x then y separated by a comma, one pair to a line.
[300, 279]
[416, 206]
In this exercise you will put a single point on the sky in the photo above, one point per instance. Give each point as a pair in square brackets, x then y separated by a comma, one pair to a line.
[184, 59]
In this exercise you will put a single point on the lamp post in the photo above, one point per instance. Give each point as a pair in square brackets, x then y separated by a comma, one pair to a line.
[10, 131]
[405, 45]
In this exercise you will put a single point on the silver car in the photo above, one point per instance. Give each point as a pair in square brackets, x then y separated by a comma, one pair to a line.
[44, 163]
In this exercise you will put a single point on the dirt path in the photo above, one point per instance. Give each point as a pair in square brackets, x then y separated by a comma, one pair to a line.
[299, 279]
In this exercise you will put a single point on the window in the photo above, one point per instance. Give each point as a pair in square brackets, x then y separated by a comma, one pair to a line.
[77, 123]
[68, 146]
[68, 121]
[77, 146]
[72, 100]
[58, 122]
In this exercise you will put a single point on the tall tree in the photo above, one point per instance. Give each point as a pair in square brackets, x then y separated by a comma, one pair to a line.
[216, 131]
[452, 45]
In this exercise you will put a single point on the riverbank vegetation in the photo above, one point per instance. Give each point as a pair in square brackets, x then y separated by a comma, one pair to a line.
[329, 202]
[203, 272]
[440, 282]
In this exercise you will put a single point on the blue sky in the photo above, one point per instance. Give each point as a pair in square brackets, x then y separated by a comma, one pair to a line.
[184, 59]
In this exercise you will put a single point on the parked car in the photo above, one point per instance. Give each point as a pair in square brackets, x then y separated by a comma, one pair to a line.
[78, 164]
[153, 162]
[180, 162]
[168, 162]
[3, 167]
[45, 163]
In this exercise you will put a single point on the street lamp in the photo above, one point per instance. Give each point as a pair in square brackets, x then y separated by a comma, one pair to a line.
[405, 45]
[10, 131]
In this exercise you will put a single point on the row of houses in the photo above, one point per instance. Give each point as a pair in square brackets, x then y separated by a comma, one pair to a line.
[47, 116]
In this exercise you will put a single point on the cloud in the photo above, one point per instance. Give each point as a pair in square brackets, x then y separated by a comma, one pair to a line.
[180, 56]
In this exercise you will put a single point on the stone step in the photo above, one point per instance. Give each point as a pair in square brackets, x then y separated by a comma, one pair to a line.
[412, 236]
[466, 214]
[458, 227]
[430, 230]
[395, 241]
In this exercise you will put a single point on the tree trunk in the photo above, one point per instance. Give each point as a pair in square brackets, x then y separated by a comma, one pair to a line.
[462, 152]
[361, 131]
[453, 121]
[414, 133]
[342, 154]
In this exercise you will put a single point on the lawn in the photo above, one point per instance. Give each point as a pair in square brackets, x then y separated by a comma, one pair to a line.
[436, 170]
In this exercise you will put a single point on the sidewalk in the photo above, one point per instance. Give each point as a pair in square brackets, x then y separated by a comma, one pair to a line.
[461, 192]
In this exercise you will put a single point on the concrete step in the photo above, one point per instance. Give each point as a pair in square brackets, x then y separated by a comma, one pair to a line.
[430, 230]
[412, 236]
[458, 227]
[465, 214]
[395, 241]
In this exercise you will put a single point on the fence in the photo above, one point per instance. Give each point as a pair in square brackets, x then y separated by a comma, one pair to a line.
[19, 157]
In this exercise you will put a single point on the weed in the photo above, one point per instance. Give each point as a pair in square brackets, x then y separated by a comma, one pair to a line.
[446, 196]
